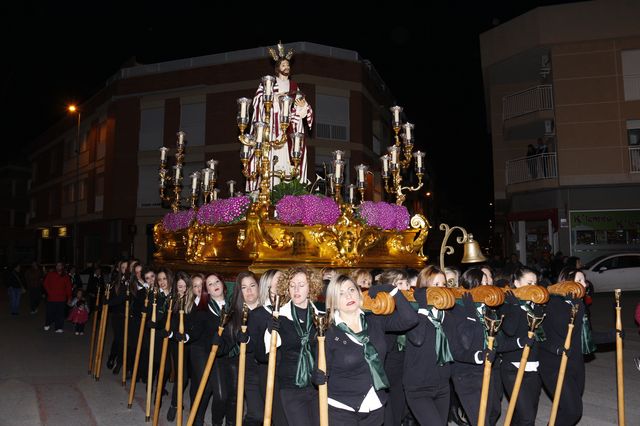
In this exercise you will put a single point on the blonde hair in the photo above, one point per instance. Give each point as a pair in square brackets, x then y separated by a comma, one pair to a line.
[427, 275]
[314, 279]
[359, 273]
[455, 272]
[333, 292]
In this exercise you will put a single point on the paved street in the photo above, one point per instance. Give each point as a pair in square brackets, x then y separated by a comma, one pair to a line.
[44, 381]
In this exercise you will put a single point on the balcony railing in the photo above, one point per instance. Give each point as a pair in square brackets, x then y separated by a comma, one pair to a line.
[538, 98]
[536, 167]
[634, 159]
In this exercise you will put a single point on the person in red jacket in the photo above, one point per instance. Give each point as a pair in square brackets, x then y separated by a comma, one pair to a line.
[57, 285]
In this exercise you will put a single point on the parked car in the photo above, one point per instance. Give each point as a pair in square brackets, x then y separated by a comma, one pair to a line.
[612, 271]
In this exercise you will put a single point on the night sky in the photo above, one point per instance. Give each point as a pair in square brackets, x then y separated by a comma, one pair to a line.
[430, 61]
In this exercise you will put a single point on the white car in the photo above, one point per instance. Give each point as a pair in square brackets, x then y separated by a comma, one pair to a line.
[612, 271]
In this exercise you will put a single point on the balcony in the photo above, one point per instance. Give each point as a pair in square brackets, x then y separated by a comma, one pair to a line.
[634, 159]
[533, 168]
[538, 98]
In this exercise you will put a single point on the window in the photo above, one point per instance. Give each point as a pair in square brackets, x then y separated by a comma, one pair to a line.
[70, 191]
[332, 117]
[619, 262]
[631, 74]
[84, 145]
[192, 120]
[633, 132]
[101, 143]
[148, 186]
[151, 128]
[82, 189]
[99, 190]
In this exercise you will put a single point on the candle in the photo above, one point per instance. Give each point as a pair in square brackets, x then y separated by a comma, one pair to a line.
[232, 184]
[259, 128]
[267, 82]
[408, 127]
[396, 110]
[393, 150]
[215, 193]
[352, 193]
[180, 142]
[245, 152]
[195, 177]
[212, 164]
[418, 155]
[243, 103]
[163, 154]
[177, 170]
[385, 164]
[206, 175]
[285, 105]
[339, 167]
[361, 171]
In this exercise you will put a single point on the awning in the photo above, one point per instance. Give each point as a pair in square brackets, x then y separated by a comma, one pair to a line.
[535, 215]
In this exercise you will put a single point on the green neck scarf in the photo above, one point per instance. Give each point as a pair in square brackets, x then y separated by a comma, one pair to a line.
[539, 334]
[371, 356]
[305, 357]
[401, 342]
[443, 352]
[215, 307]
[586, 341]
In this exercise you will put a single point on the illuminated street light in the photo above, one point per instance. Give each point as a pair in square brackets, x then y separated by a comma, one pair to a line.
[73, 109]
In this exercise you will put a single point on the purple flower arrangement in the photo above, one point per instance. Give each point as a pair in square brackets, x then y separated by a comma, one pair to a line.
[384, 215]
[177, 221]
[224, 211]
[307, 210]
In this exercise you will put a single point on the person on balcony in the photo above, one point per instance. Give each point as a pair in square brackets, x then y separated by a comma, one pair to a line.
[542, 149]
[531, 161]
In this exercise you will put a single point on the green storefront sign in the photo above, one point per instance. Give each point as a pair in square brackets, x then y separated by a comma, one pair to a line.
[606, 220]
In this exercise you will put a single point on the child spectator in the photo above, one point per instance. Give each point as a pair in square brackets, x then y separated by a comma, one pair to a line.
[79, 314]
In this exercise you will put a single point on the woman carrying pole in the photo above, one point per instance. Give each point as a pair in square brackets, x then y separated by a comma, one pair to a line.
[512, 341]
[355, 350]
[256, 377]
[583, 341]
[468, 344]
[427, 367]
[189, 290]
[297, 344]
[206, 324]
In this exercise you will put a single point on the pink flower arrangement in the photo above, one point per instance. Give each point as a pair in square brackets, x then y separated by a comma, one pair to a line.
[307, 210]
[223, 211]
[177, 221]
[384, 215]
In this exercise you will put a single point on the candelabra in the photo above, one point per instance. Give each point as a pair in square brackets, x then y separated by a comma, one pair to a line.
[399, 158]
[203, 181]
[336, 179]
[256, 154]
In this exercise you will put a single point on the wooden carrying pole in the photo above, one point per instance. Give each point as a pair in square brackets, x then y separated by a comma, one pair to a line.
[102, 333]
[492, 326]
[241, 368]
[136, 361]
[563, 368]
[180, 363]
[93, 331]
[126, 340]
[534, 322]
[152, 338]
[163, 361]
[207, 371]
[271, 369]
[620, 370]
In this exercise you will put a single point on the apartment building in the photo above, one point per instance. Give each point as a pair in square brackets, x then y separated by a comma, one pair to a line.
[106, 179]
[562, 90]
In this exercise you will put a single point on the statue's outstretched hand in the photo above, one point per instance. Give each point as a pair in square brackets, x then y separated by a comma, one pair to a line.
[301, 107]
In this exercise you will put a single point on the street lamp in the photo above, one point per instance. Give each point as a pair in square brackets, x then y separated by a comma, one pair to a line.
[73, 109]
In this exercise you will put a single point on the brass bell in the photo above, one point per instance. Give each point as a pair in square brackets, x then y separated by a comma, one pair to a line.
[472, 252]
